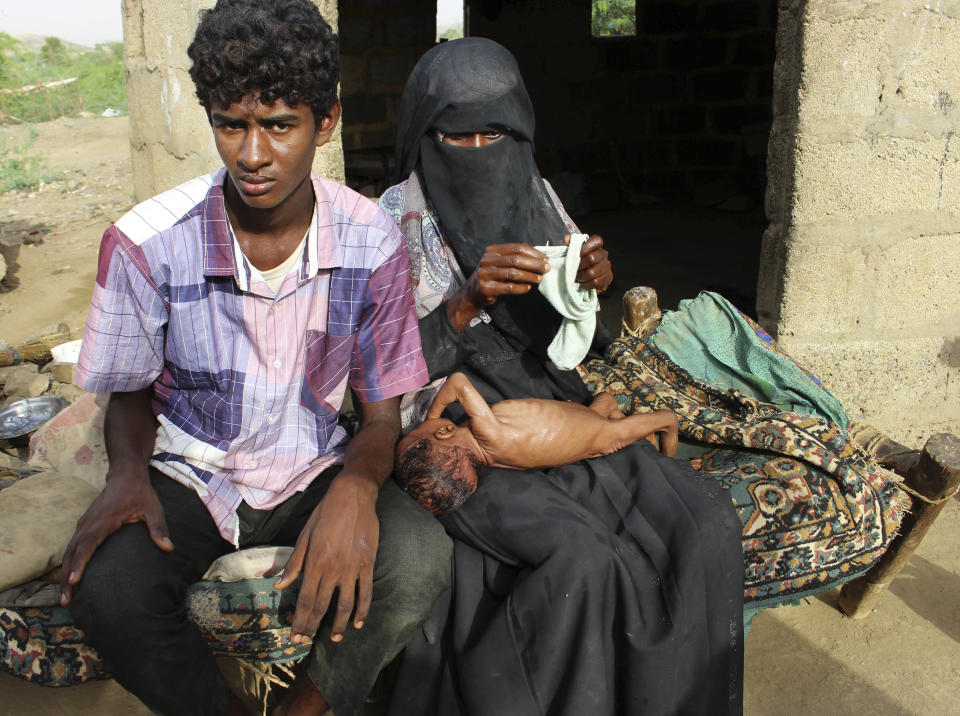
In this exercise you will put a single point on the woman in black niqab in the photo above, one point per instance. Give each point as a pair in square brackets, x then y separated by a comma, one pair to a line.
[492, 207]
[610, 586]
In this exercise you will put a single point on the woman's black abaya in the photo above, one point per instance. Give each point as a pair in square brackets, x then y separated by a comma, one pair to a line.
[611, 586]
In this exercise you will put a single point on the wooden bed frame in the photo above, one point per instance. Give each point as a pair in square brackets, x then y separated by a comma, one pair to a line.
[929, 476]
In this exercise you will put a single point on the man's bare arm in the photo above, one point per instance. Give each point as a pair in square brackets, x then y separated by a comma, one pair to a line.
[130, 430]
[338, 545]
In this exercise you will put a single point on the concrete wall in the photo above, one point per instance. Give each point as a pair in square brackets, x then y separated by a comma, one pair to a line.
[860, 270]
[380, 42]
[170, 138]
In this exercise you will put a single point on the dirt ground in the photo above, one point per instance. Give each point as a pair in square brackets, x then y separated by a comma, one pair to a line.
[810, 659]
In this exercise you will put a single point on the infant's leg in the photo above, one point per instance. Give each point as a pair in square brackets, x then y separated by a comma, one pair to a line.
[606, 405]
[660, 424]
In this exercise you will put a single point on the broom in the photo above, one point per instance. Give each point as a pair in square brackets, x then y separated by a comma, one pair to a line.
[34, 350]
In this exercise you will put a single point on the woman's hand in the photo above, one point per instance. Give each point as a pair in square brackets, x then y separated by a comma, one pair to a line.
[595, 269]
[504, 269]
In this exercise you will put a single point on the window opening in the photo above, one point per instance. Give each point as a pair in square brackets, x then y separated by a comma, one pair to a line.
[449, 20]
[613, 18]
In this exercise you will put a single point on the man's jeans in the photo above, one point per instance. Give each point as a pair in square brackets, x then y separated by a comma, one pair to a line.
[131, 600]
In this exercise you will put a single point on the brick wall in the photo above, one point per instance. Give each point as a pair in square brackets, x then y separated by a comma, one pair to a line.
[684, 107]
[380, 42]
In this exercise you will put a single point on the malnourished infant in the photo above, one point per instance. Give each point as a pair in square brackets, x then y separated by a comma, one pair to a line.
[438, 462]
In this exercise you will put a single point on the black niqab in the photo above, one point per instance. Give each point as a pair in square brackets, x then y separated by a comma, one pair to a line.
[482, 195]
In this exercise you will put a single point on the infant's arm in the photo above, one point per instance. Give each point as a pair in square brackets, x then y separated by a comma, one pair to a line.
[458, 389]
[605, 404]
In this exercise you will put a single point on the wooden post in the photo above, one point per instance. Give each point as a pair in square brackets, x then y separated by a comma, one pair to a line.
[936, 476]
[641, 311]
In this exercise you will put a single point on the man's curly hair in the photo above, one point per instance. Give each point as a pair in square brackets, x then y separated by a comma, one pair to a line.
[268, 49]
[434, 478]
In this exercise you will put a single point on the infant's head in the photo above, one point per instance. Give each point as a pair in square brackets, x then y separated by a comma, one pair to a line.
[437, 467]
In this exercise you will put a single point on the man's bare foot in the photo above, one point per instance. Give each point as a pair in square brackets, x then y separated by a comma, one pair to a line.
[302, 699]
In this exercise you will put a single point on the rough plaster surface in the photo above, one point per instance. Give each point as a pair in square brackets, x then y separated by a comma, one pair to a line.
[860, 267]
[170, 138]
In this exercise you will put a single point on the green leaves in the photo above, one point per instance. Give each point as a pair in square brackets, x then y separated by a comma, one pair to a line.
[614, 18]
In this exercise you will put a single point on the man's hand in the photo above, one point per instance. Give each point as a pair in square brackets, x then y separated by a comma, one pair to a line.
[336, 548]
[338, 545]
[129, 430]
[595, 270]
[504, 269]
[124, 500]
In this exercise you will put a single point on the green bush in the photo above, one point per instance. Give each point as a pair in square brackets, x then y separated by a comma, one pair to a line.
[613, 18]
[99, 73]
[18, 168]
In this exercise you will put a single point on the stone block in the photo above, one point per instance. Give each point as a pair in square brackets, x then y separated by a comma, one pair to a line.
[25, 383]
[917, 281]
[757, 48]
[61, 372]
[406, 31]
[721, 85]
[358, 34]
[655, 88]
[842, 68]
[868, 177]
[579, 66]
[761, 84]
[67, 391]
[894, 385]
[679, 120]
[731, 119]
[824, 284]
[388, 69]
[739, 15]
[706, 152]
[353, 74]
[627, 56]
[668, 18]
[924, 56]
[364, 108]
[694, 53]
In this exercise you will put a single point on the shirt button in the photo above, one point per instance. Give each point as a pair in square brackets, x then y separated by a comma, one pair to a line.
[252, 464]
[271, 419]
[277, 363]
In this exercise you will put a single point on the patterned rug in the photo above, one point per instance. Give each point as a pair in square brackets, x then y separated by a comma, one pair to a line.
[246, 619]
[816, 510]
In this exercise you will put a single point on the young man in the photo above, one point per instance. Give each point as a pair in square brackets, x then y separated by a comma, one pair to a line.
[229, 316]
[438, 461]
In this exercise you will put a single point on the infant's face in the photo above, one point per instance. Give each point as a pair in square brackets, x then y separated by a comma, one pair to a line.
[441, 430]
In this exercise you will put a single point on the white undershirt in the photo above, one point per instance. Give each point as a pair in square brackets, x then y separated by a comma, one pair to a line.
[274, 277]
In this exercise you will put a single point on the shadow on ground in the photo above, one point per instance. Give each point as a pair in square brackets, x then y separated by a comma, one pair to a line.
[791, 674]
[932, 593]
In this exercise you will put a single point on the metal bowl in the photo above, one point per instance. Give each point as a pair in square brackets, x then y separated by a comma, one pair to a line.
[24, 416]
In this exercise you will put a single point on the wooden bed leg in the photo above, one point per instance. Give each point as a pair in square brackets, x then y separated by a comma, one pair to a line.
[641, 312]
[936, 476]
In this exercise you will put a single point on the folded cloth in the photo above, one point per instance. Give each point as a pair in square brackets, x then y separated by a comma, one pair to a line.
[577, 305]
[711, 339]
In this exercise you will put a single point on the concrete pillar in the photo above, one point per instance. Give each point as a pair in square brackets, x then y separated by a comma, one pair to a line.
[860, 269]
[170, 138]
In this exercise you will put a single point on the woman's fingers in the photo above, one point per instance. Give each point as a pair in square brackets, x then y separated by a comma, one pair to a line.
[595, 269]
